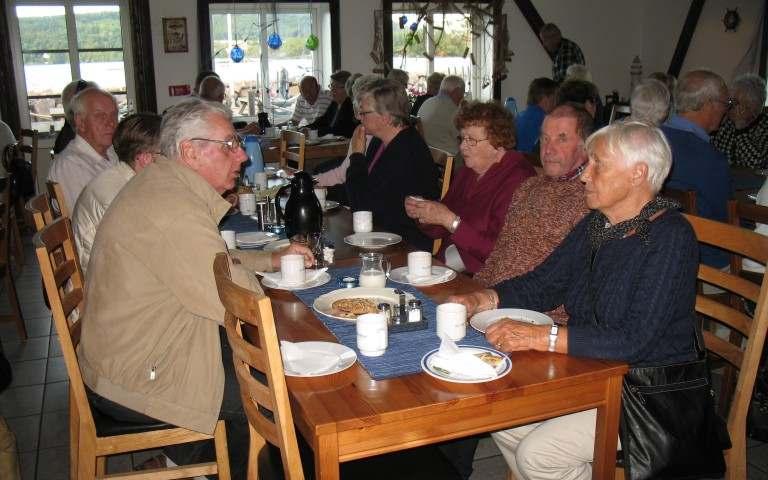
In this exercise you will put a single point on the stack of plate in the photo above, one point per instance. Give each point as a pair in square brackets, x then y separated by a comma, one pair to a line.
[254, 239]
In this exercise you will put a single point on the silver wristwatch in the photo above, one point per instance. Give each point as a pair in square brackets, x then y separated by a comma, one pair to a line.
[455, 223]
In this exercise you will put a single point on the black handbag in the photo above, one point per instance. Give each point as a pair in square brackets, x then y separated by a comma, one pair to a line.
[669, 427]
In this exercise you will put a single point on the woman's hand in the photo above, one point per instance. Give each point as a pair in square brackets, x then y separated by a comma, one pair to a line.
[512, 336]
[475, 302]
[357, 142]
[429, 212]
[293, 249]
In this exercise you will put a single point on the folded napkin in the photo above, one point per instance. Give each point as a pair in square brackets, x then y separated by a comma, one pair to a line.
[460, 363]
[310, 275]
[303, 362]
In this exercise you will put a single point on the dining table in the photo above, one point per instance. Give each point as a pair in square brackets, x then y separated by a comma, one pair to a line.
[355, 414]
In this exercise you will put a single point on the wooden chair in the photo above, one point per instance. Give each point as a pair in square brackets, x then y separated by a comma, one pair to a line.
[744, 353]
[686, 199]
[444, 162]
[28, 148]
[39, 207]
[93, 436]
[58, 200]
[290, 139]
[244, 307]
[7, 228]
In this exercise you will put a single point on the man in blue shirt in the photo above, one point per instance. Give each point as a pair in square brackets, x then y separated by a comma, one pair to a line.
[702, 100]
[541, 101]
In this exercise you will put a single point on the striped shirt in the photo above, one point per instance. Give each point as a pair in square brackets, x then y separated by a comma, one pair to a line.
[309, 113]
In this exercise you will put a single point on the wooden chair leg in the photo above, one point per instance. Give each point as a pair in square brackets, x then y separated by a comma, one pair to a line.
[86, 456]
[17, 243]
[74, 430]
[13, 300]
[222, 450]
[257, 442]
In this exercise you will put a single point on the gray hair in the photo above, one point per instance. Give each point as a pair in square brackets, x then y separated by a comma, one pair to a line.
[388, 98]
[212, 88]
[350, 83]
[77, 106]
[361, 81]
[697, 88]
[434, 81]
[188, 119]
[451, 83]
[650, 102]
[637, 142]
[73, 88]
[578, 72]
[751, 92]
[400, 76]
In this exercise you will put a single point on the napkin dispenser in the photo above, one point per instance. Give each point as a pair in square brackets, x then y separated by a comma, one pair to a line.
[399, 315]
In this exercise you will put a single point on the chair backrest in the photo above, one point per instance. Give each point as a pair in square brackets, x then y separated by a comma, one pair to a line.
[743, 354]
[288, 139]
[444, 162]
[39, 207]
[744, 214]
[28, 147]
[686, 199]
[245, 307]
[58, 200]
[64, 287]
[618, 112]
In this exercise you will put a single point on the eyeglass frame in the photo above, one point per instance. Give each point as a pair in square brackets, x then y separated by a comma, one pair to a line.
[228, 145]
[472, 142]
[730, 103]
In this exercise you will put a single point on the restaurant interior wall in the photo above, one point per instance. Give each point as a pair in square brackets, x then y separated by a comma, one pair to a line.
[649, 28]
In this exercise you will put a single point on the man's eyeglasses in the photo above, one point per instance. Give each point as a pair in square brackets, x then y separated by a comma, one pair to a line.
[233, 144]
[363, 113]
[730, 103]
[472, 142]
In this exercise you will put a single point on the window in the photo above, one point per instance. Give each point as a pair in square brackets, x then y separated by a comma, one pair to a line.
[267, 80]
[444, 40]
[57, 41]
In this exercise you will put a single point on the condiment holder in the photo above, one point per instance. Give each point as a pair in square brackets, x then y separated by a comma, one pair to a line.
[404, 316]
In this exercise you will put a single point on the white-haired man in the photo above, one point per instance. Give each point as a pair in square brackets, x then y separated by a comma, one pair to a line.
[152, 346]
[702, 101]
[90, 153]
[743, 136]
[438, 112]
[650, 102]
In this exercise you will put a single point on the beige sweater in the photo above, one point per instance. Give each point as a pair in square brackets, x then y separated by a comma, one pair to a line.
[150, 338]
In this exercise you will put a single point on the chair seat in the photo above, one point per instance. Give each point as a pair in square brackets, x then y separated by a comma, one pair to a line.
[107, 426]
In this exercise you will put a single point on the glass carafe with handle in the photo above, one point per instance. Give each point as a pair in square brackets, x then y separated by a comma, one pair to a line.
[374, 270]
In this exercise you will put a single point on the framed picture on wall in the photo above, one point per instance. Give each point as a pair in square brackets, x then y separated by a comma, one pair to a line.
[175, 34]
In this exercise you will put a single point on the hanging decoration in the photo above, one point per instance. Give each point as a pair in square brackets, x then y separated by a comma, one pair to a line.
[731, 20]
[237, 54]
[312, 40]
[402, 21]
[274, 41]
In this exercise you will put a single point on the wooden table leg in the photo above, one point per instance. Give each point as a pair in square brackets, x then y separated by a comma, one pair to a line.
[607, 431]
[327, 458]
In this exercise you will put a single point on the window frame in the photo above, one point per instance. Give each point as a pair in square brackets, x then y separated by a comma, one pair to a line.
[72, 48]
[477, 74]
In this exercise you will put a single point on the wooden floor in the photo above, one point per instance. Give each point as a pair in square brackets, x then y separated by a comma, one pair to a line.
[35, 405]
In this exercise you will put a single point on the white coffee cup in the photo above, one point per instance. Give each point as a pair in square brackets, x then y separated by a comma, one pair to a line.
[320, 194]
[372, 337]
[247, 203]
[452, 320]
[292, 269]
[229, 238]
[362, 221]
[420, 264]
[260, 180]
[312, 135]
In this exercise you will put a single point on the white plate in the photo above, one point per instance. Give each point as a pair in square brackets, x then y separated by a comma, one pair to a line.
[330, 205]
[373, 240]
[276, 245]
[321, 280]
[483, 320]
[323, 303]
[347, 357]
[254, 239]
[439, 275]
[503, 368]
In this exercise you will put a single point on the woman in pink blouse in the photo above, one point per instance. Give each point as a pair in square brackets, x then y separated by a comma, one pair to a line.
[469, 218]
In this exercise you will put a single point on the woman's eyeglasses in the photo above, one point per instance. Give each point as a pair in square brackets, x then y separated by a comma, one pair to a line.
[472, 142]
[233, 144]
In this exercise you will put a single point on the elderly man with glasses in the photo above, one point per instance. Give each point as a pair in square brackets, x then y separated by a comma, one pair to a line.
[743, 136]
[339, 118]
[152, 347]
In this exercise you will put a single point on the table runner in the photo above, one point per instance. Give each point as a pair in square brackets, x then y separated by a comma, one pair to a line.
[239, 223]
[405, 349]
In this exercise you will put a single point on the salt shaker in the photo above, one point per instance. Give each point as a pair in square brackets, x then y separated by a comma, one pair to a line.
[386, 310]
[414, 310]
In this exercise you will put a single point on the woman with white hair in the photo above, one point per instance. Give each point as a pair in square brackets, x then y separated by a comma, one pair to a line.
[626, 275]
[743, 136]
[650, 102]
